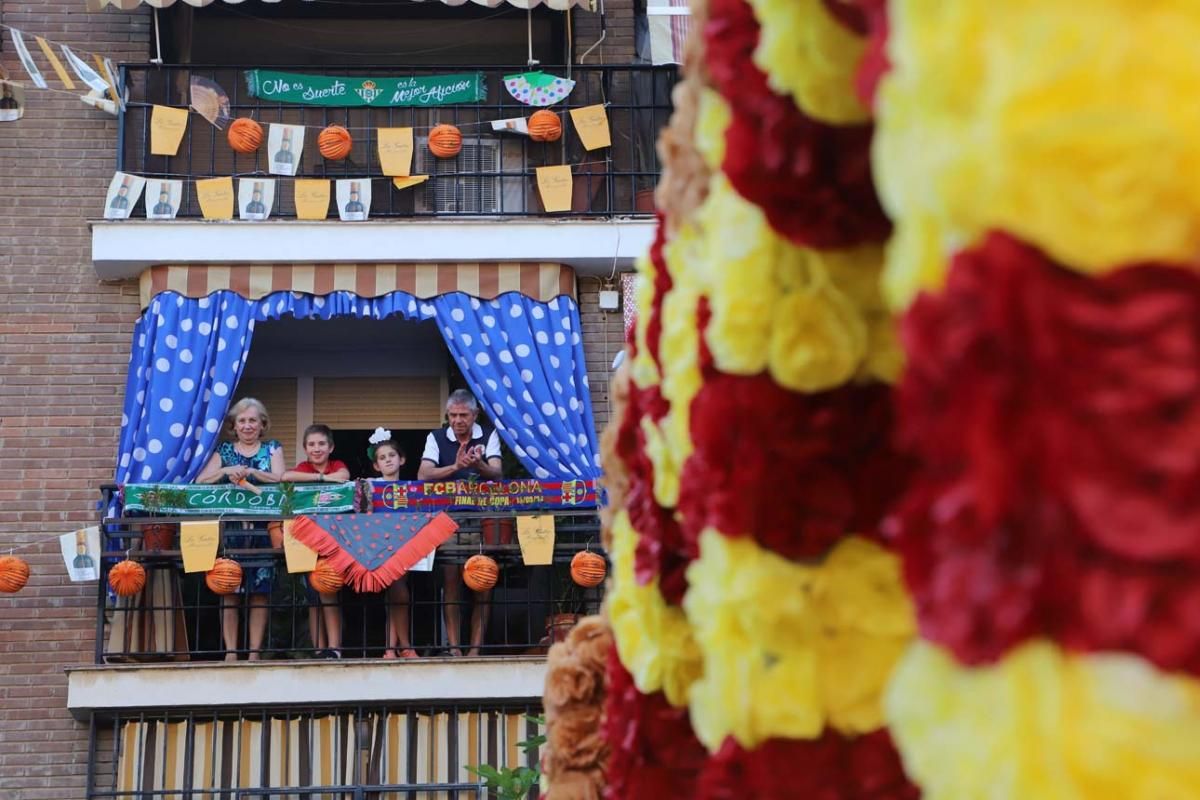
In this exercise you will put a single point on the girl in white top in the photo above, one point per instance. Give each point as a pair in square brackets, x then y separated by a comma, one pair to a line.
[388, 458]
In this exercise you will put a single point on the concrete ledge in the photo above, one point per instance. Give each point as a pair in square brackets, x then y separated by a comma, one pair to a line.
[129, 687]
[122, 249]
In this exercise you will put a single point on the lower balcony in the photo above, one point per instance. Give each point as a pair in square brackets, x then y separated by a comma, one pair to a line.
[376, 751]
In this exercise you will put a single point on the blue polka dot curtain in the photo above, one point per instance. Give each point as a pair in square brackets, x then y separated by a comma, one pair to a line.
[522, 358]
[524, 361]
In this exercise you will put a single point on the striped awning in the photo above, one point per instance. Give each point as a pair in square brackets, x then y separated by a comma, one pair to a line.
[669, 22]
[557, 5]
[478, 279]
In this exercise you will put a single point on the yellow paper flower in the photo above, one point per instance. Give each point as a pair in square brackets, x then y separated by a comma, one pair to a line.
[653, 639]
[808, 54]
[1045, 724]
[806, 316]
[679, 350]
[712, 118]
[1071, 127]
[788, 647]
[820, 338]
[643, 370]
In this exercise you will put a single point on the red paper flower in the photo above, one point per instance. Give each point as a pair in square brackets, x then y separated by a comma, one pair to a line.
[829, 768]
[1057, 419]
[850, 14]
[812, 180]
[875, 63]
[662, 550]
[662, 285]
[654, 753]
[794, 471]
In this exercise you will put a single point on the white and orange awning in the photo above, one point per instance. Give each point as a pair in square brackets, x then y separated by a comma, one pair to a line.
[557, 5]
[541, 281]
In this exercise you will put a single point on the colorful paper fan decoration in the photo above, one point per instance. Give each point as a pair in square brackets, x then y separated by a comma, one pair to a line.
[538, 88]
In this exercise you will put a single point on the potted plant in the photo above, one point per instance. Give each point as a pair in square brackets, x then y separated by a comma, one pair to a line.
[287, 504]
[513, 783]
[568, 608]
[161, 535]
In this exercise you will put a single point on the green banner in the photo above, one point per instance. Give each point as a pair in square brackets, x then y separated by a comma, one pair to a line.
[326, 90]
[223, 498]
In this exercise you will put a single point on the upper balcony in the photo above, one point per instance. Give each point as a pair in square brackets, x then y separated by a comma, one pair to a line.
[482, 205]
[494, 175]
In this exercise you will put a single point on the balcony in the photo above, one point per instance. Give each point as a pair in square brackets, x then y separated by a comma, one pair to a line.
[177, 618]
[481, 207]
[494, 175]
[392, 751]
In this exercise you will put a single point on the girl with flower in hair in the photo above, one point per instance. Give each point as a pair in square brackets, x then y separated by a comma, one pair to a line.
[388, 458]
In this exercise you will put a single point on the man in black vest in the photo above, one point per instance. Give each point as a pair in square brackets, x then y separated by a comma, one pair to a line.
[461, 451]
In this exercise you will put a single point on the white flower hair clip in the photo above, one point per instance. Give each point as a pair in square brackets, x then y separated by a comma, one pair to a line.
[380, 435]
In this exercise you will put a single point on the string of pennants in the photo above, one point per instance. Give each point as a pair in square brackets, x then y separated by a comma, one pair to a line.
[254, 197]
[102, 79]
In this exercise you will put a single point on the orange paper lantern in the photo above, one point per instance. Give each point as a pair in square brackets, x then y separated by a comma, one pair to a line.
[245, 135]
[127, 578]
[545, 126]
[335, 142]
[14, 574]
[481, 573]
[445, 141]
[225, 576]
[588, 569]
[324, 578]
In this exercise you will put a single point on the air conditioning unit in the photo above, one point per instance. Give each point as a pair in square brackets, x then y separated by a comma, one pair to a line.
[461, 194]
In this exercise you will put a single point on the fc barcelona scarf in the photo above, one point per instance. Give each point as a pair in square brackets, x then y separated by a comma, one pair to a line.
[374, 550]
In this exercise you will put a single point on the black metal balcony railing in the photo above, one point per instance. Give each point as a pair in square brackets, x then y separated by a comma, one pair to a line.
[375, 752]
[177, 618]
[494, 175]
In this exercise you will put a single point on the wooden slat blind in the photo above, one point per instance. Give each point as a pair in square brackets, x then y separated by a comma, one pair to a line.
[364, 403]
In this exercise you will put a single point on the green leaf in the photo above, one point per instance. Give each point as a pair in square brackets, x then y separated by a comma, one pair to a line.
[532, 743]
[486, 771]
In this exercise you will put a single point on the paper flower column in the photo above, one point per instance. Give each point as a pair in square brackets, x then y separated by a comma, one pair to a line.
[1039, 161]
[756, 613]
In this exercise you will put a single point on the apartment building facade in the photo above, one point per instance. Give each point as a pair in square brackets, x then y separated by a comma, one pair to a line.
[82, 716]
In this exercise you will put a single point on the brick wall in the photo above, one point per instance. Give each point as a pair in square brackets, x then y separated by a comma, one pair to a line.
[603, 337]
[64, 342]
[617, 47]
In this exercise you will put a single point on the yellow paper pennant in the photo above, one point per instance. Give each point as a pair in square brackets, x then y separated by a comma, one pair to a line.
[554, 185]
[395, 150]
[413, 180]
[216, 197]
[536, 536]
[198, 541]
[312, 198]
[591, 123]
[167, 126]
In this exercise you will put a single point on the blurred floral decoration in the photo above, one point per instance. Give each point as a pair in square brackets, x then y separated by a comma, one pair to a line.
[757, 612]
[1044, 264]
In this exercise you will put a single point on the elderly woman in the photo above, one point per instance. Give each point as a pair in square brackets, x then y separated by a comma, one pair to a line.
[246, 457]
